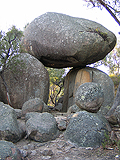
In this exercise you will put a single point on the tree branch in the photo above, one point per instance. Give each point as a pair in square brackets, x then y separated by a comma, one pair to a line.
[114, 9]
[107, 8]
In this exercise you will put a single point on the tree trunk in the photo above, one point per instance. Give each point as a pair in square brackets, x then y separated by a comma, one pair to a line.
[7, 90]
[109, 10]
[116, 102]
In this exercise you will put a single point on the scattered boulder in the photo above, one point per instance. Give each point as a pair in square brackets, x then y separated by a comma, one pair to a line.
[77, 77]
[41, 127]
[18, 113]
[33, 105]
[47, 152]
[115, 117]
[8, 151]
[61, 122]
[89, 97]
[59, 40]
[73, 109]
[62, 125]
[117, 113]
[28, 79]
[58, 107]
[87, 129]
[9, 128]
[112, 119]
[46, 108]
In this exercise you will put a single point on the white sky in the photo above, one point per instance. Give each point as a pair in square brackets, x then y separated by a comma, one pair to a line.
[21, 12]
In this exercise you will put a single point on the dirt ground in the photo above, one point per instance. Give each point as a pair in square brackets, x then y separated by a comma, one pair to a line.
[60, 149]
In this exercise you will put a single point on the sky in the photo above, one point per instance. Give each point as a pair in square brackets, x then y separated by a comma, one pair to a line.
[21, 12]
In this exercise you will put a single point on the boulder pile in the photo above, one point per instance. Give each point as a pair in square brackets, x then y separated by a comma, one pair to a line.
[58, 41]
[76, 77]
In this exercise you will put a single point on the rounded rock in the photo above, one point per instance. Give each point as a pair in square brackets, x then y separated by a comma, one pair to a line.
[60, 41]
[89, 97]
[87, 129]
[9, 151]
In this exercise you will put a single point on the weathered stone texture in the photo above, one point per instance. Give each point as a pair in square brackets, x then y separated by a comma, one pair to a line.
[60, 41]
[77, 77]
[89, 97]
[87, 129]
[28, 79]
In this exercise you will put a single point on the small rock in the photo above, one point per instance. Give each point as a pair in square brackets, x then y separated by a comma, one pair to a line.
[112, 119]
[9, 151]
[117, 156]
[47, 152]
[46, 157]
[45, 108]
[25, 147]
[33, 152]
[24, 153]
[62, 125]
[67, 158]
[58, 107]
[31, 146]
[18, 113]
[73, 109]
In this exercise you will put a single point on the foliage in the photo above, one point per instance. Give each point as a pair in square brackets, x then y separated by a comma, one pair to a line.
[56, 84]
[109, 142]
[112, 6]
[116, 80]
[118, 145]
[9, 45]
[112, 61]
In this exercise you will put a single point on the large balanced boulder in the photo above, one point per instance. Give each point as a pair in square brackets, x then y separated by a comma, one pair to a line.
[77, 77]
[89, 97]
[87, 129]
[28, 79]
[8, 151]
[59, 40]
[9, 127]
[41, 127]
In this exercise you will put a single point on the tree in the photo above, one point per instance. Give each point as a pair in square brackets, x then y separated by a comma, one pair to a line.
[112, 61]
[56, 84]
[112, 6]
[9, 45]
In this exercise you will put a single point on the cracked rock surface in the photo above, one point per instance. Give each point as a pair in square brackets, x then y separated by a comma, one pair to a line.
[59, 40]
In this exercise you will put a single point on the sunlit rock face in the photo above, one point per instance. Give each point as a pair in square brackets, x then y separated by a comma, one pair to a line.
[59, 40]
